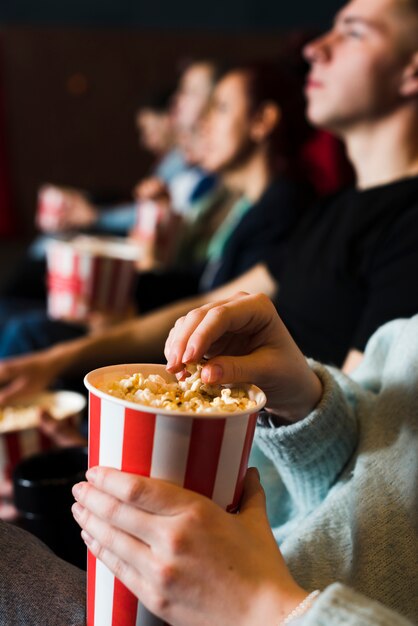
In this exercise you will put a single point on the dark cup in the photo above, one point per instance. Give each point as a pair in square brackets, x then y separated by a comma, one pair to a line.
[42, 492]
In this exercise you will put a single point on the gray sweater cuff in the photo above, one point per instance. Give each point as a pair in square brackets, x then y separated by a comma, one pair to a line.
[339, 605]
[309, 454]
[302, 442]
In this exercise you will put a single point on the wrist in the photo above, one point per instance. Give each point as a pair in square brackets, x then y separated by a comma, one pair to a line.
[275, 604]
[296, 615]
[94, 215]
[302, 404]
[61, 357]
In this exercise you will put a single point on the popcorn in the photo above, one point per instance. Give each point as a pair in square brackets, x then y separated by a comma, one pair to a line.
[26, 413]
[189, 395]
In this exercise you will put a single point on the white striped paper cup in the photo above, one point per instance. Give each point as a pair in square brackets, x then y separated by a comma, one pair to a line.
[205, 453]
[88, 274]
[50, 209]
[157, 227]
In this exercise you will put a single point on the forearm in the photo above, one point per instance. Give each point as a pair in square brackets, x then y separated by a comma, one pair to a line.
[143, 339]
[138, 340]
[256, 280]
[117, 219]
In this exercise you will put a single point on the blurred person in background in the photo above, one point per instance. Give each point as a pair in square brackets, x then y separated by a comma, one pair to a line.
[178, 115]
[167, 131]
[180, 111]
[364, 82]
[251, 141]
[349, 263]
[156, 135]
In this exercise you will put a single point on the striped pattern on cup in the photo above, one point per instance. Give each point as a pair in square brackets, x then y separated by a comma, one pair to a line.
[205, 454]
[158, 227]
[148, 217]
[80, 282]
[50, 209]
[17, 445]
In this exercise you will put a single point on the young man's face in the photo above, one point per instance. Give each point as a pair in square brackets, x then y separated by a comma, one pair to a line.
[357, 67]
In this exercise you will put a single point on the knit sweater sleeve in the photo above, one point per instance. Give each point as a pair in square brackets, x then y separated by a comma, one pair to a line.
[339, 605]
[311, 454]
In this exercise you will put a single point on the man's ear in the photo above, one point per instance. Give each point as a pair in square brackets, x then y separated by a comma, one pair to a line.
[409, 83]
[265, 121]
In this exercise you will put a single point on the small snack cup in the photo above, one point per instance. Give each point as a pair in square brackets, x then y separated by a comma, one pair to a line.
[19, 435]
[157, 230]
[50, 208]
[205, 452]
[89, 274]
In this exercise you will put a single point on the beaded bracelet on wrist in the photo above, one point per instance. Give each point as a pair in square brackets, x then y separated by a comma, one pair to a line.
[301, 609]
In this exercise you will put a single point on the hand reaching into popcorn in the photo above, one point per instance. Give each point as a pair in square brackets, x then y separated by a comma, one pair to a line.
[245, 341]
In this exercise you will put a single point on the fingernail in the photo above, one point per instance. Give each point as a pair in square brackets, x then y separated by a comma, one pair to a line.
[182, 375]
[188, 354]
[88, 539]
[212, 374]
[77, 510]
[256, 472]
[91, 474]
[173, 358]
[77, 490]
[170, 361]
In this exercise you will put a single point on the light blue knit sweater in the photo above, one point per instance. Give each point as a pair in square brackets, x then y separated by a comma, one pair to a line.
[342, 487]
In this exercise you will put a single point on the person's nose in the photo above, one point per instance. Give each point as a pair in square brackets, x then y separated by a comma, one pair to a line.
[205, 126]
[319, 50]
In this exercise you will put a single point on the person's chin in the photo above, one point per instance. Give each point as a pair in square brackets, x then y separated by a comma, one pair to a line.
[317, 115]
[209, 165]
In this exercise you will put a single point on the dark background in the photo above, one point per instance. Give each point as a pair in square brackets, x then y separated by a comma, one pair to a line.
[72, 75]
[213, 14]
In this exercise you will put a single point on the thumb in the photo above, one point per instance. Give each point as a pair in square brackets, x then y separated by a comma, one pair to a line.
[253, 501]
[231, 369]
[48, 425]
[61, 432]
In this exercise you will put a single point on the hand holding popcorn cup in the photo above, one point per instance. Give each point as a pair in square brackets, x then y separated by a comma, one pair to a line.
[62, 209]
[180, 554]
[143, 421]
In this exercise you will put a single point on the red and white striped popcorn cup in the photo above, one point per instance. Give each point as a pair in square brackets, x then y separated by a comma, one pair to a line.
[50, 209]
[19, 435]
[89, 274]
[207, 453]
[148, 217]
[159, 228]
